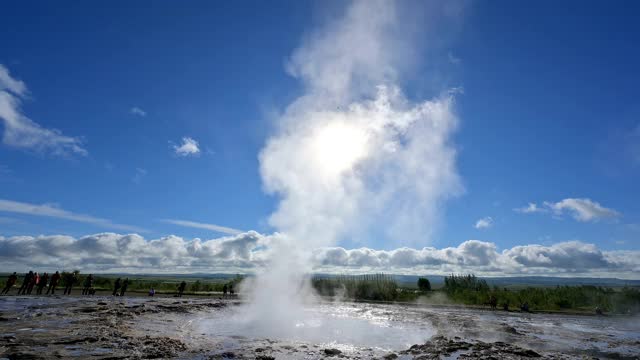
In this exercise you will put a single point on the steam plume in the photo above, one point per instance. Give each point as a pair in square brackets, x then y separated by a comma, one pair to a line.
[352, 154]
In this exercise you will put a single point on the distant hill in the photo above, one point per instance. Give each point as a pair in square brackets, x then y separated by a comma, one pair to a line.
[529, 280]
[438, 280]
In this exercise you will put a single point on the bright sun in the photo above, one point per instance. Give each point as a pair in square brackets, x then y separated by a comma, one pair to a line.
[338, 146]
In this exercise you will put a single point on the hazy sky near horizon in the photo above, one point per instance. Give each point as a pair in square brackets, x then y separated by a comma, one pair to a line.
[155, 118]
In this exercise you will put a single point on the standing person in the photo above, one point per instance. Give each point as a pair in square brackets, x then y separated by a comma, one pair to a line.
[181, 288]
[25, 283]
[69, 280]
[231, 289]
[116, 287]
[35, 280]
[224, 291]
[42, 283]
[152, 292]
[87, 285]
[55, 278]
[10, 282]
[125, 285]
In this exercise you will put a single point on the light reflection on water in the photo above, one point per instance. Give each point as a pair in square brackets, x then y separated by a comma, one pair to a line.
[340, 326]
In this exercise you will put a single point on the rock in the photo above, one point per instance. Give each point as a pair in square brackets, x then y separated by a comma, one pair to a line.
[265, 357]
[526, 353]
[510, 330]
[390, 356]
[332, 352]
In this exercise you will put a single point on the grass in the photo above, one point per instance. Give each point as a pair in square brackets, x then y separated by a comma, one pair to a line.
[470, 290]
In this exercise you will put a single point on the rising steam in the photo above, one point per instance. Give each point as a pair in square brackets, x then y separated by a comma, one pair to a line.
[352, 155]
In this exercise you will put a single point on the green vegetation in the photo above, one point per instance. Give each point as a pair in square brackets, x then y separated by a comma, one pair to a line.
[471, 290]
[379, 287]
[371, 287]
[468, 289]
[424, 284]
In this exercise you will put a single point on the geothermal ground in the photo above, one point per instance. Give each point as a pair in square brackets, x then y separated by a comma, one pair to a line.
[207, 328]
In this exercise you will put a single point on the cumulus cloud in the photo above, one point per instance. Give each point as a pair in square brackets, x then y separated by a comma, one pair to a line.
[22, 132]
[198, 225]
[484, 223]
[131, 252]
[584, 210]
[56, 212]
[189, 147]
[250, 252]
[138, 111]
[567, 258]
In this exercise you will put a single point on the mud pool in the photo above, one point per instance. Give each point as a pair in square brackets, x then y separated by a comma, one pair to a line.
[207, 328]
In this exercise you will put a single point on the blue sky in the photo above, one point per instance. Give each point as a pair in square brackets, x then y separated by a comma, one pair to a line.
[547, 112]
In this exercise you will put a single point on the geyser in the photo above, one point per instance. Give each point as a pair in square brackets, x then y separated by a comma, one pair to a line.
[350, 157]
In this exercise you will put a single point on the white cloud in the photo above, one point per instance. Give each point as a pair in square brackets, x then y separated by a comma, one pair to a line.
[22, 132]
[56, 212]
[583, 210]
[530, 209]
[212, 227]
[249, 252]
[569, 258]
[139, 175]
[189, 147]
[114, 252]
[138, 111]
[484, 223]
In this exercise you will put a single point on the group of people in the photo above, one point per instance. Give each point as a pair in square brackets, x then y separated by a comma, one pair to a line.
[33, 280]
[121, 286]
[228, 288]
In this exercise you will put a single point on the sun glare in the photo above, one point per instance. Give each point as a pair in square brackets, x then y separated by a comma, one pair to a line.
[338, 147]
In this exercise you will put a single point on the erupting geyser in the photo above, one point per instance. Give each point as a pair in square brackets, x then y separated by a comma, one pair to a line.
[349, 156]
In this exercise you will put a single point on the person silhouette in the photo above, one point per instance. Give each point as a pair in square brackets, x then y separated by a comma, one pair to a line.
[11, 280]
[116, 287]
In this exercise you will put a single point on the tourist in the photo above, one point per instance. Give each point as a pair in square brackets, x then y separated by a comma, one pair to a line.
[10, 282]
[88, 284]
[125, 285]
[116, 287]
[55, 278]
[35, 279]
[69, 280]
[152, 292]
[25, 283]
[181, 288]
[42, 283]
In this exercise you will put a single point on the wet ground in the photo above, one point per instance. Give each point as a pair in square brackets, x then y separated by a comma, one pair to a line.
[205, 328]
